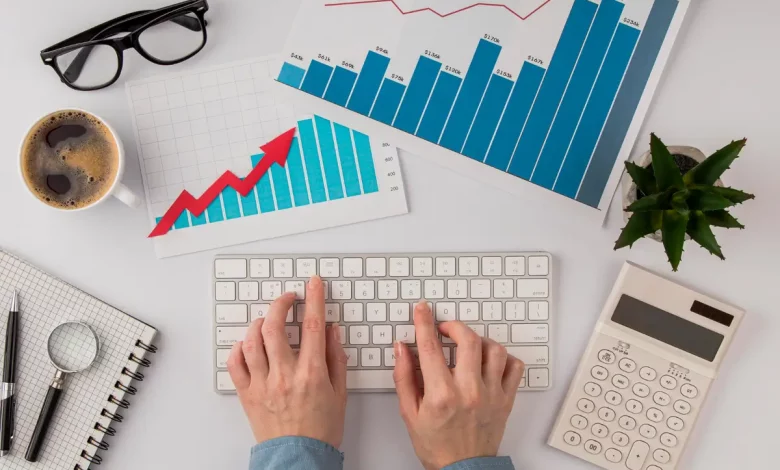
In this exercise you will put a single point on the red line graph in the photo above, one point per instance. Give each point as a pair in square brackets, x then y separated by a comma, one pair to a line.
[275, 152]
[441, 15]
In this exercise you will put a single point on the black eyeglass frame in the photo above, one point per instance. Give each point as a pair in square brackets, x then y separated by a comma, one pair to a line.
[133, 23]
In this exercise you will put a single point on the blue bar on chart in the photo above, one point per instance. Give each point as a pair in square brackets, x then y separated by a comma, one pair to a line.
[200, 220]
[417, 94]
[291, 75]
[183, 221]
[627, 101]
[311, 155]
[317, 78]
[368, 82]
[330, 160]
[387, 102]
[580, 86]
[366, 161]
[249, 203]
[214, 211]
[486, 122]
[347, 159]
[341, 85]
[281, 187]
[554, 84]
[230, 201]
[297, 178]
[515, 116]
[474, 86]
[157, 221]
[439, 106]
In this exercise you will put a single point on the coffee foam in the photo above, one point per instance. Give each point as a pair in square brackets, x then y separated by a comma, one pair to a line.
[90, 161]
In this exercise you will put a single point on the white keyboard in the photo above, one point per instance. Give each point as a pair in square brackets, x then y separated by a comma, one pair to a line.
[504, 296]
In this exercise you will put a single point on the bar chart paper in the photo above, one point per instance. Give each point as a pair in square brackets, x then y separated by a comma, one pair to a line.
[192, 127]
[551, 92]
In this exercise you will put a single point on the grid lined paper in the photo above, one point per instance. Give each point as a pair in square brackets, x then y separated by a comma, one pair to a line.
[45, 302]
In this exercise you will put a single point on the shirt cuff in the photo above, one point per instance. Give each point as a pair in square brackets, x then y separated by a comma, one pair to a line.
[295, 453]
[480, 463]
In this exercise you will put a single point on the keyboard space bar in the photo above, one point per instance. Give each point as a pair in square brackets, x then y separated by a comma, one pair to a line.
[370, 380]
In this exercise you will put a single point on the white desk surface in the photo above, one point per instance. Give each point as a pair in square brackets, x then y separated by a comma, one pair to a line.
[721, 84]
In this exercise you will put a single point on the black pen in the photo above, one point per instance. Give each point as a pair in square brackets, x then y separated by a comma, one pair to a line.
[7, 398]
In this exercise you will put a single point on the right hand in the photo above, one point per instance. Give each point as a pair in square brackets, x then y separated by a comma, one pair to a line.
[462, 412]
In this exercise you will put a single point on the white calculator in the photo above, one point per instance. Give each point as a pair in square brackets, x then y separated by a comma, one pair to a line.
[644, 376]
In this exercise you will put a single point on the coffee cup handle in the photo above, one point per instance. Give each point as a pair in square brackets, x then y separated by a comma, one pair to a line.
[124, 194]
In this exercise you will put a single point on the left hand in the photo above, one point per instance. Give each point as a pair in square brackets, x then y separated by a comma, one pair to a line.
[284, 395]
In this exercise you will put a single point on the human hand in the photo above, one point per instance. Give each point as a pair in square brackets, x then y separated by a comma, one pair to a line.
[285, 395]
[462, 412]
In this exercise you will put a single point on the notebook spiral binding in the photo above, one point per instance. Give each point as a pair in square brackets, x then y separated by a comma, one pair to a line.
[116, 399]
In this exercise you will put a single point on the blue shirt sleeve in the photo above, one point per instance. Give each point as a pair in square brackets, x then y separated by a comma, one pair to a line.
[483, 463]
[295, 453]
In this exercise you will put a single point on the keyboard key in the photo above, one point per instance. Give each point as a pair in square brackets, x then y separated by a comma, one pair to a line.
[376, 267]
[514, 266]
[445, 311]
[538, 311]
[399, 267]
[222, 358]
[533, 288]
[376, 312]
[492, 266]
[538, 266]
[503, 288]
[405, 333]
[434, 289]
[230, 268]
[492, 311]
[225, 291]
[382, 334]
[411, 289]
[248, 290]
[530, 355]
[271, 290]
[358, 334]
[329, 267]
[422, 267]
[298, 287]
[538, 378]
[224, 383]
[341, 290]
[353, 267]
[468, 266]
[293, 335]
[480, 288]
[259, 268]
[515, 311]
[637, 455]
[258, 311]
[399, 312]
[445, 266]
[306, 267]
[352, 356]
[533, 333]
[389, 357]
[468, 311]
[457, 288]
[353, 313]
[283, 268]
[364, 290]
[478, 329]
[230, 335]
[343, 334]
[498, 333]
[370, 357]
[231, 313]
[332, 313]
[388, 290]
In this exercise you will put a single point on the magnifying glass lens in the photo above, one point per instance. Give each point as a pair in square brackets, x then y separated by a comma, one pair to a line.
[72, 347]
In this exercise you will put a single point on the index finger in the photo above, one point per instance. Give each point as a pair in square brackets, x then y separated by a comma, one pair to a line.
[314, 341]
[434, 369]
[274, 336]
[469, 352]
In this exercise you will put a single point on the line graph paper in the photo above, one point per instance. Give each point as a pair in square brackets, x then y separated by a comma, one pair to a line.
[441, 14]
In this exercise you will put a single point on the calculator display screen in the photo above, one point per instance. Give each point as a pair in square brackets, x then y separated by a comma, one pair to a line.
[671, 329]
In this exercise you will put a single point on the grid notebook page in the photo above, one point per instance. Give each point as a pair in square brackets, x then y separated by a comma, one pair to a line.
[86, 408]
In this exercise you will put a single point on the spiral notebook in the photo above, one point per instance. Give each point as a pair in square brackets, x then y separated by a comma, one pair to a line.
[92, 399]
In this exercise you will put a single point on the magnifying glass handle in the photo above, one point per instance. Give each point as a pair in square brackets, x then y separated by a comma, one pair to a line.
[44, 419]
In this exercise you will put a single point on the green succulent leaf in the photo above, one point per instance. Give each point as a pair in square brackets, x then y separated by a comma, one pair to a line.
[734, 195]
[639, 225]
[700, 231]
[707, 199]
[654, 202]
[723, 219]
[642, 177]
[708, 171]
[680, 201]
[667, 174]
[673, 231]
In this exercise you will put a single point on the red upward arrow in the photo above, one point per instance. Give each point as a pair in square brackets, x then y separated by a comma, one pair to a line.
[275, 152]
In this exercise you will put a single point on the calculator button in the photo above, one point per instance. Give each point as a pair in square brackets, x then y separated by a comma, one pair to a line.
[675, 423]
[579, 422]
[668, 382]
[599, 430]
[585, 405]
[653, 467]
[627, 422]
[627, 365]
[669, 440]
[592, 389]
[637, 455]
[682, 407]
[606, 356]
[655, 415]
[647, 431]
[648, 374]
[661, 398]
[613, 398]
[572, 438]
[634, 406]
[613, 455]
[661, 456]
[641, 390]
[620, 439]
[607, 414]
[599, 373]
[620, 381]
[593, 447]
[689, 391]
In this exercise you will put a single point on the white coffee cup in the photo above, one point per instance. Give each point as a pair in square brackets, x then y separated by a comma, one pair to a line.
[117, 189]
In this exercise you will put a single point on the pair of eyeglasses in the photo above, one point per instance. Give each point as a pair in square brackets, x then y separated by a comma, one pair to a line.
[93, 59]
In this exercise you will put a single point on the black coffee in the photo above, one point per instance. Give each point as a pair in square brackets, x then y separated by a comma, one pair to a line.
[70, 160]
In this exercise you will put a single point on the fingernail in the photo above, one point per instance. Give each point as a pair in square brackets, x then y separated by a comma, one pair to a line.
[397, 349]
[315, 281]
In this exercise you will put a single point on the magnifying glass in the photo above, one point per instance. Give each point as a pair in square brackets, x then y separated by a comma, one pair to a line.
[72, 347]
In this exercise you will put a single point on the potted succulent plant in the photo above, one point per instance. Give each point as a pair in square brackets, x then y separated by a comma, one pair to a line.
[676, 194]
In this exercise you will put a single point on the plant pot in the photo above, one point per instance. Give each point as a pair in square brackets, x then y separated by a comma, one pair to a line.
[629, 189]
